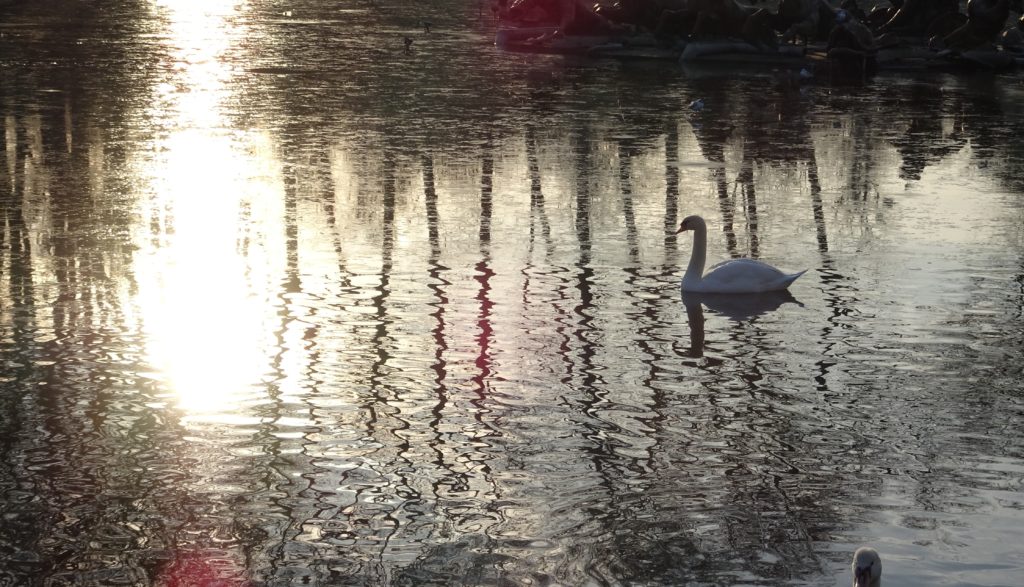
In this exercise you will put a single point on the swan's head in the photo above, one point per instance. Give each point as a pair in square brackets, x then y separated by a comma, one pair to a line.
[867, 568]
[691, 223]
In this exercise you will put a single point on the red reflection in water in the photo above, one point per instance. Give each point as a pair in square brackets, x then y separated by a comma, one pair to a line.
[199, 570]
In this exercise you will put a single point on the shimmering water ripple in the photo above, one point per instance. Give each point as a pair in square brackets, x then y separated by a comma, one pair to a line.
[282, 304]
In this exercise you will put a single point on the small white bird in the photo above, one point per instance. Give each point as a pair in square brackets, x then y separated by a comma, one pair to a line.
[867, 568]
[697, 105]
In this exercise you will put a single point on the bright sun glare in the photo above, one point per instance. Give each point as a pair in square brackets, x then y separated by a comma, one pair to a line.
[210, 237]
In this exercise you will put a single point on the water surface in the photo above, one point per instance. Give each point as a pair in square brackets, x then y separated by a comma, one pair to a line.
[281, 303]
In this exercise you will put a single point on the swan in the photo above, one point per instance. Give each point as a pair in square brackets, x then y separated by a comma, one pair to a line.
[867, 568]
[733, 276]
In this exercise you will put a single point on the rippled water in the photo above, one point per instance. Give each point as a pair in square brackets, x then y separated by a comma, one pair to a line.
[281, 303]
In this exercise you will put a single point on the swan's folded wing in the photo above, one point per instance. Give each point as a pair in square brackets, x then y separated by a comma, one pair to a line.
[743, 264]
[744, 276]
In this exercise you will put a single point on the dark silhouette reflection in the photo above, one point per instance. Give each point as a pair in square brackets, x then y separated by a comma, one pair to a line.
[628, 210]
[652, 336]
[538, 213]
[975, 111]
[483, 276]
[817, 206]
[452, 481]
[713, 127]
[973, 114]
[735, 307]
[485, 327]
[63, 353]
[584, 331]
[746, 181]
[590, 387]
[671, 192]
[386, 400]
[768, 128]
[21, 378]
[740, 307]
[272, 413]
[695, 320]
[380, 339]
[924, 142]
[437, 285]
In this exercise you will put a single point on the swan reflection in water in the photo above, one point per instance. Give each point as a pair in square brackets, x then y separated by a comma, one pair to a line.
[736, 307]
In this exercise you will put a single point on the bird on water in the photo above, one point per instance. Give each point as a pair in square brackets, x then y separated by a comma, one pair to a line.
[734, 276]
[867, 568]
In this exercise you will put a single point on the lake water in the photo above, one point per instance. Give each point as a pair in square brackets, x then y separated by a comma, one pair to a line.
[284, 304]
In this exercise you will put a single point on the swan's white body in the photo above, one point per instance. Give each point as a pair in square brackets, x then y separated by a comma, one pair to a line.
[734, 276]
[867, 568]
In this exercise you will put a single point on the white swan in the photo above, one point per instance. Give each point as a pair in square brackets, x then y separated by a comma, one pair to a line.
[867, 568]
[733, 276]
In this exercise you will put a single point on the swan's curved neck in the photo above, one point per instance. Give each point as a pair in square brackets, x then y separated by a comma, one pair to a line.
[695, 270]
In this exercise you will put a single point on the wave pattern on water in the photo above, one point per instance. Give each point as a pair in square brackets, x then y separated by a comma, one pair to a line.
[282, 303]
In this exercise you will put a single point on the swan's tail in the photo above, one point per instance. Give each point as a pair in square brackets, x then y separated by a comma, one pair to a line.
[789, 279]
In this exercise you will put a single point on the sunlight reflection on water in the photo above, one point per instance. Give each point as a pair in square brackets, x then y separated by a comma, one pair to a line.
[209, 239]
[206, 276]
